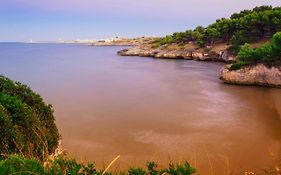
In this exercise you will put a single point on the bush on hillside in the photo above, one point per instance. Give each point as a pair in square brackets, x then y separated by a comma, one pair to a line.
[60, 166]
[276, 44]
[246, 54]
[27, 123]
[266, 53]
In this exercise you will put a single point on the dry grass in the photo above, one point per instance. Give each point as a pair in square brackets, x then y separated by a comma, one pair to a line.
[188, 46]
[260, 43]
[217, 47]
[111, 163]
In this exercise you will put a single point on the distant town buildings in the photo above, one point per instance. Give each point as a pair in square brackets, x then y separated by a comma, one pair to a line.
[90, 40]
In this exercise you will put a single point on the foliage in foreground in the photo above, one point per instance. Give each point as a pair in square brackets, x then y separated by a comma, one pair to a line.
[27, 123]
[246, 26]
[62, 166]
[266, 53]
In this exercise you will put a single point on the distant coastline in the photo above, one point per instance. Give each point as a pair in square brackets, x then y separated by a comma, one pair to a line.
[123, 41]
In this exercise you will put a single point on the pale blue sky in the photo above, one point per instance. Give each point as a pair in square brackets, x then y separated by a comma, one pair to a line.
[50, 20]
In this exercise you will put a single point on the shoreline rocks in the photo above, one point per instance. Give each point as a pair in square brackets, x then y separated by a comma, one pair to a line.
[259, 74]
[59, 151]
[198, 55]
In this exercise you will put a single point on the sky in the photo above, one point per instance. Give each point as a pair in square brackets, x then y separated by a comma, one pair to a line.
[53, 20]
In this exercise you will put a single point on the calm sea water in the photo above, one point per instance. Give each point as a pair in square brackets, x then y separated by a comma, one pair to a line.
[149, 109]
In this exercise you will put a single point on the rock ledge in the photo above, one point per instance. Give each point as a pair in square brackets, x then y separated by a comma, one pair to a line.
[259, 74]
[198, 55]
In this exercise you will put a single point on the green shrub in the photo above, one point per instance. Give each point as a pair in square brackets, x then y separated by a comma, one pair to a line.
[167, 40]
[152, 168]
[21, 134]
[246, 54]
[265, 53]
[20, 166]
[239, 38]
[136, 171]
[178, 169]
[69, 166]
[238, 65]
[28, 123]
[62, 166]
[276, 44]
[5, 131]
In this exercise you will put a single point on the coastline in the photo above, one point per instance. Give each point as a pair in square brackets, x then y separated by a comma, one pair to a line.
[192, 53]
[255, 74]
[259, 74]
[123, 41]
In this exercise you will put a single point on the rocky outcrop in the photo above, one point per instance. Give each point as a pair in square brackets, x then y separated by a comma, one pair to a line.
[205, 56]
[173, 54]
[226, 57]
[259, 74]
[195, 54]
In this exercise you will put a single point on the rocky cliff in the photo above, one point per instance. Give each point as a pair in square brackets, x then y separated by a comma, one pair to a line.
[258, 74]
[194, 54]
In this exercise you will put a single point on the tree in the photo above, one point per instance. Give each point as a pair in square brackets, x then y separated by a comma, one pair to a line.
[267, 52]
[242, 27]
[262, 8]
[276, 44]
[211, 34]
[246, 53]
[264, 53]
[241, 14]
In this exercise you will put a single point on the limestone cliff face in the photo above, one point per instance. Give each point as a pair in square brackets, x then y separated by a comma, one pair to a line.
[259, 74]
[198, 55]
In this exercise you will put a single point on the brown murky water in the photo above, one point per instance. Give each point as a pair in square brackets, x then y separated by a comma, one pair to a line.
[149, 109]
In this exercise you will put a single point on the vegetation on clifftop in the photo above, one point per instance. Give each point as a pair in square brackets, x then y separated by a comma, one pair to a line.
[27, 123]
[244, 27]
[268, 52]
